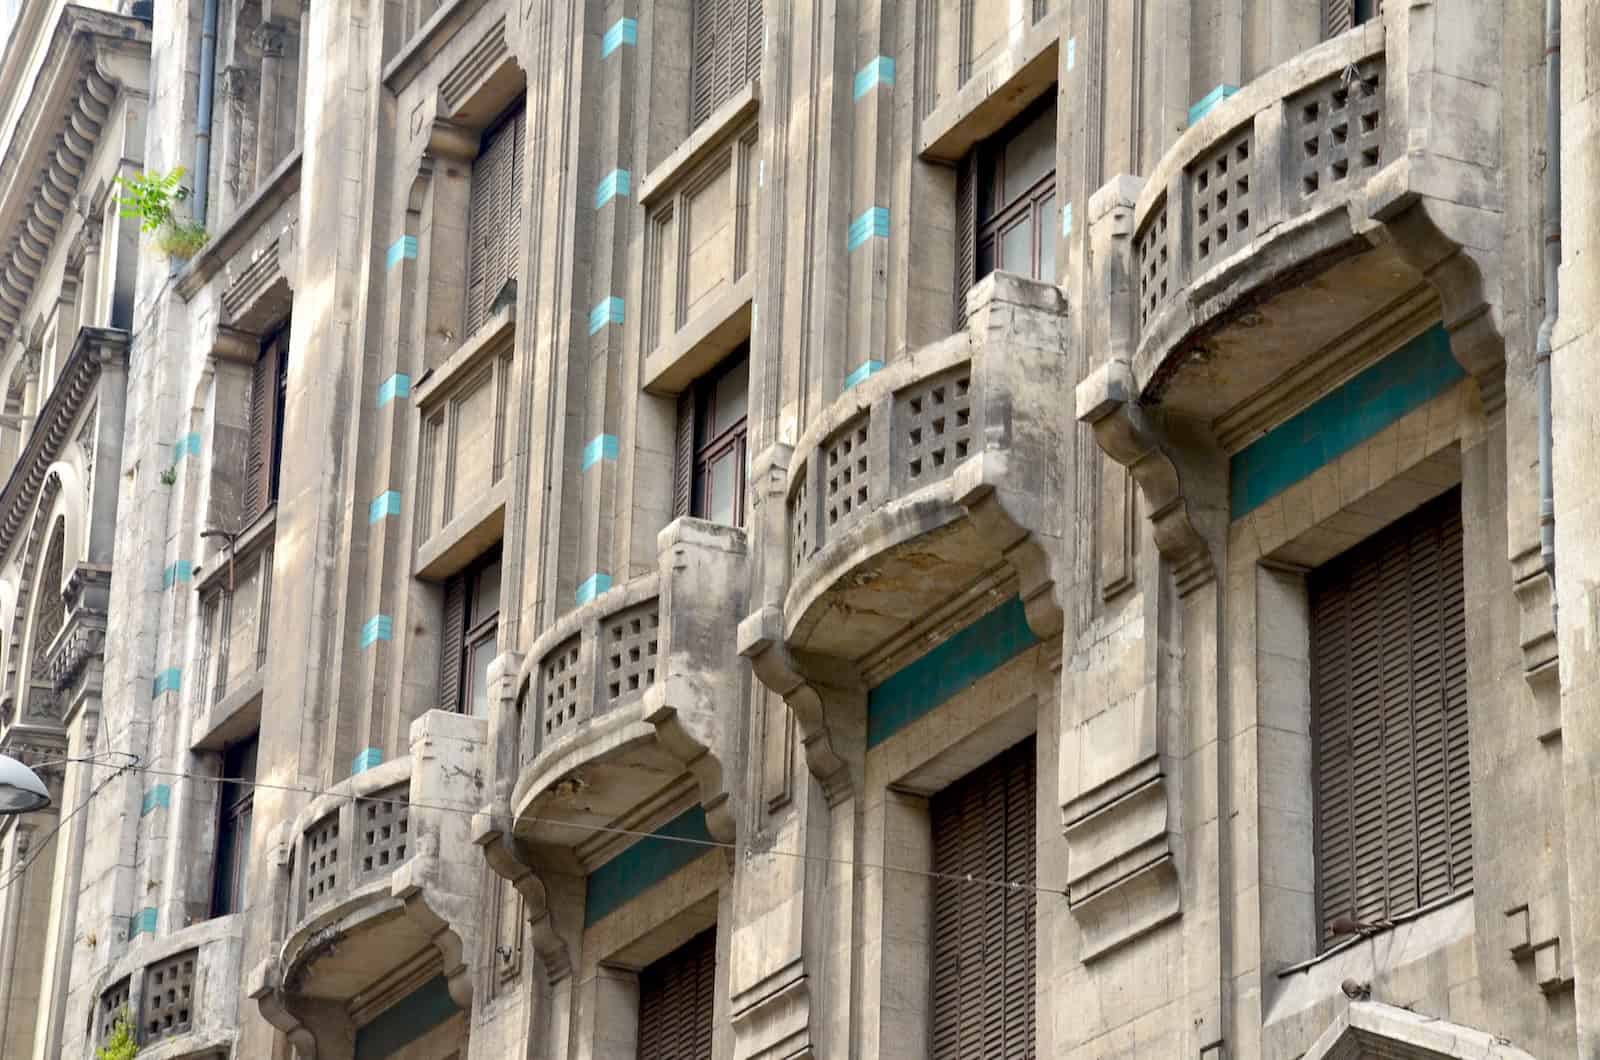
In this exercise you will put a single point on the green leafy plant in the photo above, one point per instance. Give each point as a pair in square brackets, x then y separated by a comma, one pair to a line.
[169, 476]
[153, 198]
[121, 1045]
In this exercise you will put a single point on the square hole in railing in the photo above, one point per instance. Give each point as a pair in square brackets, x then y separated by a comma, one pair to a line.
[1308, 184]
[1340, 133]
[1340, 168]
[1309, 113]
[1341, 96]
[1312, 146]
[1369, 157]
[1243, 220]
[1369, 122]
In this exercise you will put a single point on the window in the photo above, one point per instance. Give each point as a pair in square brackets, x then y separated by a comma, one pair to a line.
[709, 477]
[471, 623]
[1340, 15]
[237, 805]
[983, 936]
[496, 218]
[1006, 203]
[676, 1002]
[269, 386]
[725, 53]
[1393, 817]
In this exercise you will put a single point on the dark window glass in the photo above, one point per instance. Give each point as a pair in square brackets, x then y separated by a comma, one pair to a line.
[472, 622]
[230, 889]
[717, 463]
[1016, 198]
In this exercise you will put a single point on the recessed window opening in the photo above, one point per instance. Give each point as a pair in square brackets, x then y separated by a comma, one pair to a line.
[677, 1000]
[713, 435]
[472, 622]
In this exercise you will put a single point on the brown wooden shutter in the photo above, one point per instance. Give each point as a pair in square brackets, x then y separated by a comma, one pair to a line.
[726, 38]
[258, 458]
[1389, 694]
[455, 625]
[495, 222]
[966, 232]
[703, 62]
[677, 1000]
[683, 456]
[983, 936]
[1337, 16]
[755, 39]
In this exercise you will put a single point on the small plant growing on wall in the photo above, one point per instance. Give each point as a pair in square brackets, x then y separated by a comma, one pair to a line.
[153, 198]
[121, 1044]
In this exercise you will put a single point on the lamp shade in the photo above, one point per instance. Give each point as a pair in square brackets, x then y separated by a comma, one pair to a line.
[21, 790]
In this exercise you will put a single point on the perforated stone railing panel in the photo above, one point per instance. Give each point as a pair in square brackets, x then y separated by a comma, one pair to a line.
[383, 831]
[629, 641]
[933, 427]
[321, 859]
[1155, 266]
[845, 467]
[1335, 132]
[800, 545]
[559, 697]
[1219, 198]
[168, 999]
[113, 1000]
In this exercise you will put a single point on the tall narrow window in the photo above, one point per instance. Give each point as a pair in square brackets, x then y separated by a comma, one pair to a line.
[1389, 720]
[495, 225]
[1006, 203]
[471, 625]
[983, 935]
[1340, 15]
[725, 53]
[229, 888]
[269, 388]
[677, 1002]
[709, 479]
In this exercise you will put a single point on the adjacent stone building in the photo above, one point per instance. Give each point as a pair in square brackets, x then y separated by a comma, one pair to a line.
[787, 528]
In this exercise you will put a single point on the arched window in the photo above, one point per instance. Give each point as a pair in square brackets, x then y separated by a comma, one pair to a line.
[49, 610]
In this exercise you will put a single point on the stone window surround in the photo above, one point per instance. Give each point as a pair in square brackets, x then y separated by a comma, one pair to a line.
[902, 773]
[1269, 554]
[645, 929]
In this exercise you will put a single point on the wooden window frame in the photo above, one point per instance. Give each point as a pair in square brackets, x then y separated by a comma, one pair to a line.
[235, 817]
[697, 451]
[494, 215]
[981, 224]
[269, 397]
[463, 635]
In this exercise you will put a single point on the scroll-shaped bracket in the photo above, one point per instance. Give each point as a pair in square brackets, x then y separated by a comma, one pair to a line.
[1107, 402]
[512, 860]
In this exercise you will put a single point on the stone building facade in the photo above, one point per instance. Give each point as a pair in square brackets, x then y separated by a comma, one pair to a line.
[746, 528]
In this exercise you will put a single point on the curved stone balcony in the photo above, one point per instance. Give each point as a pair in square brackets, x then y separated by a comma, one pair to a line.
[374, 885]
[625, 695]
[179, 991]
[1261, 240]
[920, 490]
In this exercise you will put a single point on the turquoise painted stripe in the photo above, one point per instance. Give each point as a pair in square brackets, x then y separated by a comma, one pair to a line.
[396, 386]
[168, 680]
[623, 31]
[376, 628]
[863, 372]
[609, 311]
[1072, 52]
[617, 182]
[645, 864]
[1066, 219]
[385, 504]
[879, 71]
[601, 447]
[406, 1020]
[186, 445]
[1211, 99]
[593, 586]
[873, 223]
[950, 668]
[144, 922]
[175, 573]
[401, 249]
[160, 795]
[371, 758]
[1339, 421]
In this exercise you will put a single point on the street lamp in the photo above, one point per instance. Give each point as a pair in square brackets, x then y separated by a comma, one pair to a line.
[21, 790]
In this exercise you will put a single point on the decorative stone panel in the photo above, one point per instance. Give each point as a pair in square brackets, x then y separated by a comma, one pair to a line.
[558, 690]
[1335, 132]
[168, 1002]
[383, 838]
[113, 1003]
[933, 425]
[629, 648]
[321, 860]
[1219, 198]
[846, 463]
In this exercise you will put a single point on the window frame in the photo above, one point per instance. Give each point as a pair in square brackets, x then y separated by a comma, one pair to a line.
[474, 631]
[230, 876]
[706, 448]
[982, 225]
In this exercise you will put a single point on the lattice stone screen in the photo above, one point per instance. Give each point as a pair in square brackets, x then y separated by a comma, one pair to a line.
[322, 859]
[1155, 267]
[844, 472]
[934, 422]
[169, 996]
[383, 831]
[800, 522]
[112, 1001]
[1335, 129]
[558, 678]
[1219, 193]
[629, 642]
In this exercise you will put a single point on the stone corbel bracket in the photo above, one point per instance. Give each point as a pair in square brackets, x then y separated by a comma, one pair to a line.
[511, 859]
[697, 703]
[1108, 403]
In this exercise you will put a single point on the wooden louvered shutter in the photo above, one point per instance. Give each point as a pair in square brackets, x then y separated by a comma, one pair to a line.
[966, 232]
[677, 1002]
[258, 457]
[1389, 702]
[703, 62]
[683, 455]
[1337, 16]
[450, 652]
[983, 936]
[495, 219]
[755, 39]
